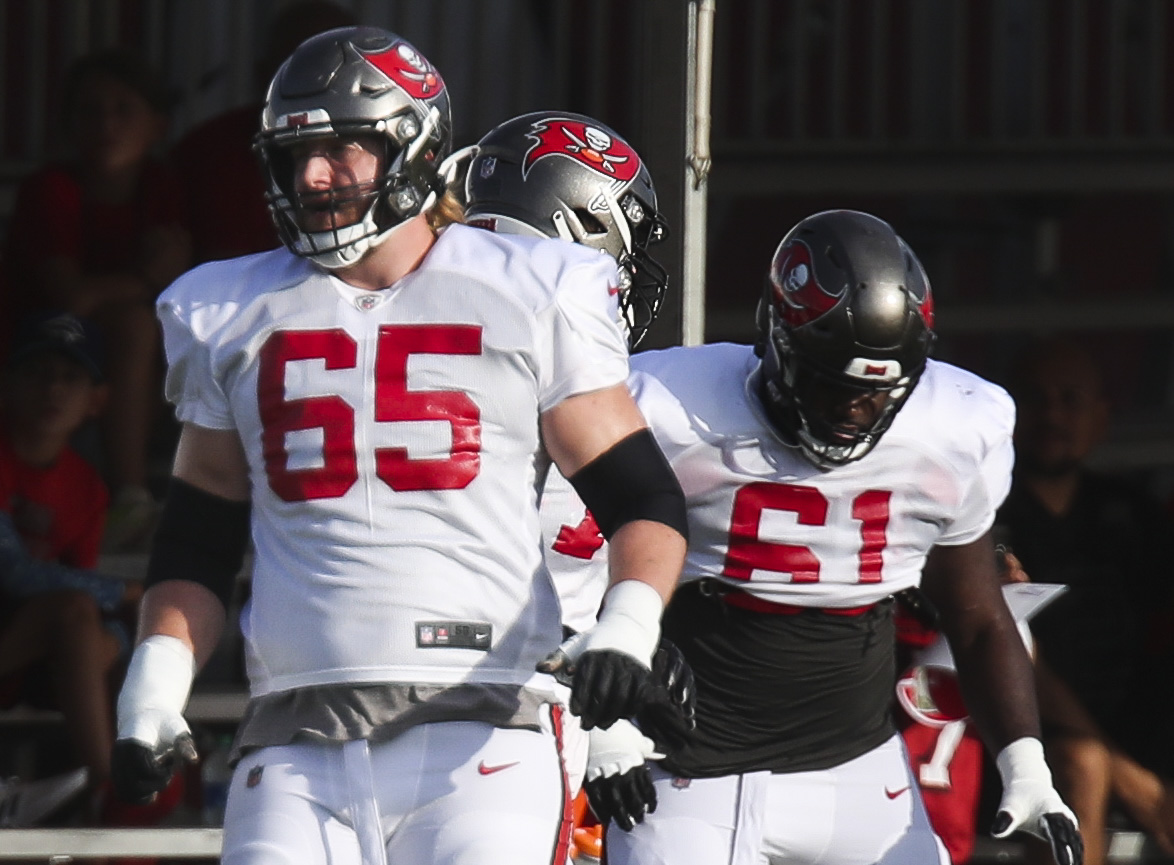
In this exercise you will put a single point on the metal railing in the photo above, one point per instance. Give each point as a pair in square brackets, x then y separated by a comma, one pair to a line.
[63, 845]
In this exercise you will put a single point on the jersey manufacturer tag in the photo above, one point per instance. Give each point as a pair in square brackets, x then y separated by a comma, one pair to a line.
[454, 635]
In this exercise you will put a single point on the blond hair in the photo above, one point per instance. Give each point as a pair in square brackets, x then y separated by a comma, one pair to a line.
[447, 211]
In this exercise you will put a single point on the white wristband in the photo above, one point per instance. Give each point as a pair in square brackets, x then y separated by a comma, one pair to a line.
[1023, 760]
[159, 678]
[629, 621]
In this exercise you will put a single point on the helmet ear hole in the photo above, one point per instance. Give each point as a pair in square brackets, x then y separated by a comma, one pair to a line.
[590, 222]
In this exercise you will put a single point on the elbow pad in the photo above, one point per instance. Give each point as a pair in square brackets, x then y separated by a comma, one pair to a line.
[201, 538]
[632, 481]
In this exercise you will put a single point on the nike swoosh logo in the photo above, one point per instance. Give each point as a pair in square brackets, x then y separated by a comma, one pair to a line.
[613, 290]
[489, 770]
[893, 794]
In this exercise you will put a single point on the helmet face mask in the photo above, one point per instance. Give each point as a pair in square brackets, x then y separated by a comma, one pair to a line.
[344, 83]
[845, 330]
[835, 419]
[557, 174]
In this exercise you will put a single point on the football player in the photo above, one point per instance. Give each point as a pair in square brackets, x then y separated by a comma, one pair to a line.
[564, 175]
[826, 469]
[375, 405]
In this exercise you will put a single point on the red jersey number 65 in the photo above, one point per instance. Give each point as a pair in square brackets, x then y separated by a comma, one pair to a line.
[393, 402]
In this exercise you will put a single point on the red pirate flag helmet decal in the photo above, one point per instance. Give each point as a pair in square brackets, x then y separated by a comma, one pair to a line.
[925, 307]
[798, 296]
[589, 145]
[403, 65]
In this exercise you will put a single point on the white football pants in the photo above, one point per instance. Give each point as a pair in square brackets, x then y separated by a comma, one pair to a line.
[867, 811]
[454, 793]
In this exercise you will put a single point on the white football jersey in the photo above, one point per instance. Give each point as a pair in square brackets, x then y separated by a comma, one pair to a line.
[576, 553]
[764, 519]
[393, 445]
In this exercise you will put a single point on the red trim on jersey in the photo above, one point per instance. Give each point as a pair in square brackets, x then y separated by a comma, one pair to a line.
[747, 601]
[566, 826]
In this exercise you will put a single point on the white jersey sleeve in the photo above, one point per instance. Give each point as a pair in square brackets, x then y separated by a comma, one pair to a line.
[764, 519]
[581, 324]
[971, 421]
[393, 446]
[190, 314]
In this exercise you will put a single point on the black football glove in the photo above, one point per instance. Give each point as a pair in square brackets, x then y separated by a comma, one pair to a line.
[1057, 829]
[606, 686]
[1031, 804]
[139, 773]
[624, 799]
[667, 715]
[1067, 843]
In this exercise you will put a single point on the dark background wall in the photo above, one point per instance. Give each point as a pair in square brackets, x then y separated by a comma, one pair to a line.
[1023, 147]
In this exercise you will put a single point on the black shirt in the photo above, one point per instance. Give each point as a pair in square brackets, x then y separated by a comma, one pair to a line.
[1112, 550]
[784, 693]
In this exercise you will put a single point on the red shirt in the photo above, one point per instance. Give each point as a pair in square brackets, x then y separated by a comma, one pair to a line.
[60, 511]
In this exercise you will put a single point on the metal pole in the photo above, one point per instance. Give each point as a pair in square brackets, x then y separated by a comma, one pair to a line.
[700, 86]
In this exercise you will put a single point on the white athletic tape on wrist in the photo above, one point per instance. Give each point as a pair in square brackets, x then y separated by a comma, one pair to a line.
[155, 691]
[1028, 794]
[1023, 760]
[628, 623]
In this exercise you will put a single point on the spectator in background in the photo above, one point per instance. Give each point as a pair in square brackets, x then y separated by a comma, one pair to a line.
[100, 235]
[224, 188]
[60, 635]
[1106, 725]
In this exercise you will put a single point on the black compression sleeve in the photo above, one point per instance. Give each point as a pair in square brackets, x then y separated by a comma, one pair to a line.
[201, 538]
[630, 481]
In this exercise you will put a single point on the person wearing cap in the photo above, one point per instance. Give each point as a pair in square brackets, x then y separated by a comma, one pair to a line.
[60, 631]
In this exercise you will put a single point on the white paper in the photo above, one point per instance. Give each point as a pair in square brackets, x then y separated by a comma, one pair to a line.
[1023, 599]
[1027, 599]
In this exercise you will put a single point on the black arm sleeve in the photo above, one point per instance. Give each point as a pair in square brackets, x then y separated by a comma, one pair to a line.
[201, 538]
[630, 481]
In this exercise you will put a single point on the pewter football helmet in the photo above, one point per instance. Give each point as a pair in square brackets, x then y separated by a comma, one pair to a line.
[557, 174]
[348, 81]
[847, 307]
